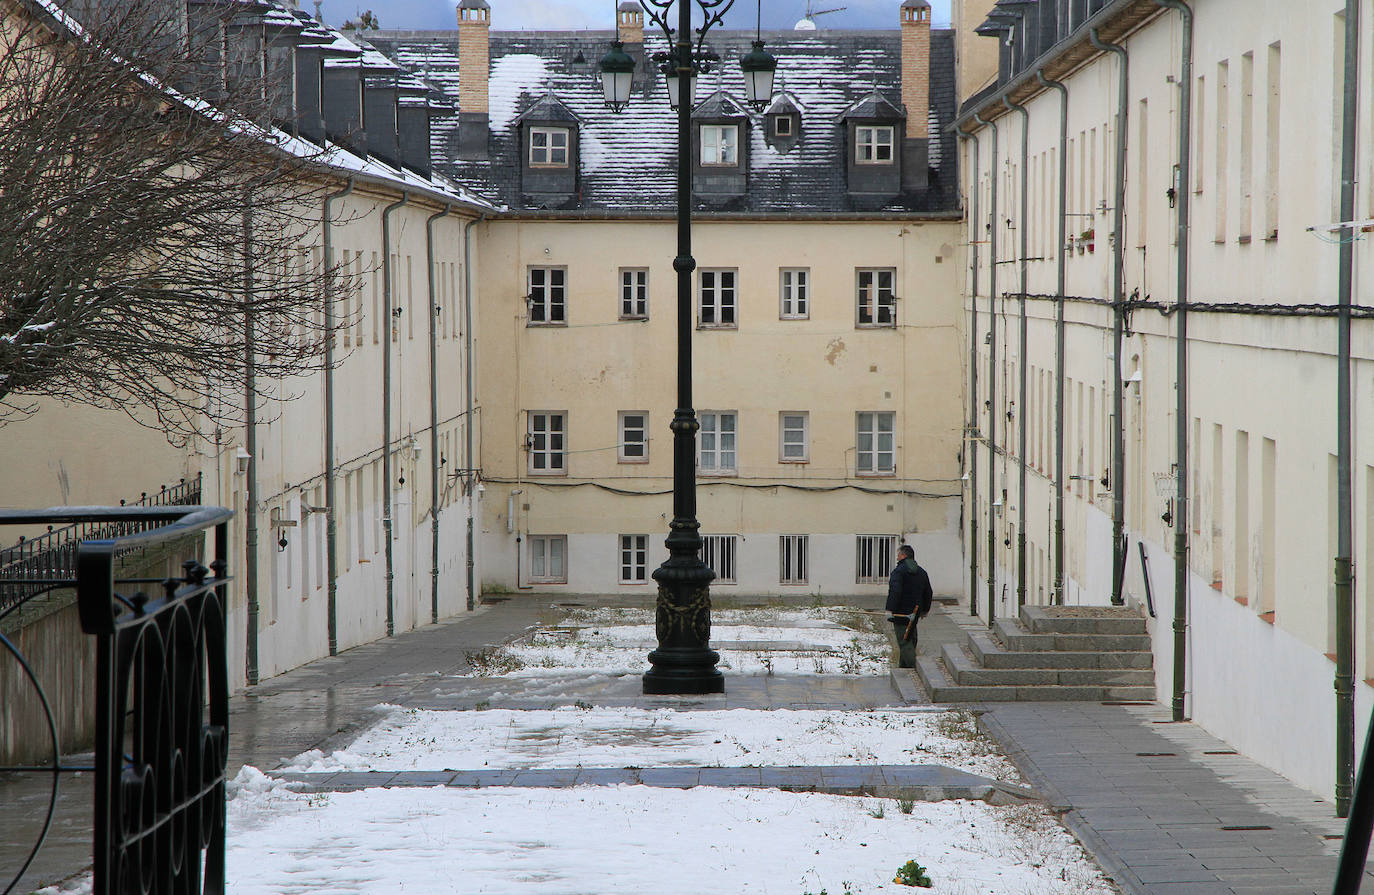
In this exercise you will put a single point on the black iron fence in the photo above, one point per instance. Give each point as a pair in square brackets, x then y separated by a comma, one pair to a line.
[29, 567]
[161, 695]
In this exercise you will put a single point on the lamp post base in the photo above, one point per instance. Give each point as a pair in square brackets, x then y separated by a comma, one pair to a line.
[683, 664]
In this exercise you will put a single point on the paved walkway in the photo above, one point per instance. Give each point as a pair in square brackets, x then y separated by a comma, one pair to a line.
[1165, 808]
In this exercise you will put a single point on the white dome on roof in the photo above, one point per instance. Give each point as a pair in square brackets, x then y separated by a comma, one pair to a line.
[804, 25]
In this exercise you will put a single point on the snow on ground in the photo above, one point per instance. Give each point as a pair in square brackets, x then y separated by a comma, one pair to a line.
[627, 840]
[824, 640]
[415, 740]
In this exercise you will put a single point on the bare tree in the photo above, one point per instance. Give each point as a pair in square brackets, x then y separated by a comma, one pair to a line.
[152, 219]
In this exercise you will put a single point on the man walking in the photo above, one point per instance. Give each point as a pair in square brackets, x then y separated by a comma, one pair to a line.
[908, 599]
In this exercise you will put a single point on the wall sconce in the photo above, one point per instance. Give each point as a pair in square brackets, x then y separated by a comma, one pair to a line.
[1168, 516]
[242, 459]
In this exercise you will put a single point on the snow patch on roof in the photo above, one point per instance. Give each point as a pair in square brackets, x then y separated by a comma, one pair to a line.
[510, 76]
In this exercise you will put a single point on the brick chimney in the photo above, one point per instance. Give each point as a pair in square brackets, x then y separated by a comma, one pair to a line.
[915, 16]
[629, 20]
[474, 72]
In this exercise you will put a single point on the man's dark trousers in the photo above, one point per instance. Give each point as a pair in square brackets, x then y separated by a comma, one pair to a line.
[906, 648]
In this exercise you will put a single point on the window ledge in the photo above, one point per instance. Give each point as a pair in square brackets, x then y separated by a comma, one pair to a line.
[633, 461]
[633, 317]
[562, 324]
[547, 580]
[886, 474]
[892, 325]
[723, 326]
[547, 472]
[548, 166]
[792, 461]
[717, 474]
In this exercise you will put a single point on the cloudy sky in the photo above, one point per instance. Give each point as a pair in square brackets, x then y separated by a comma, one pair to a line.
[566, 14]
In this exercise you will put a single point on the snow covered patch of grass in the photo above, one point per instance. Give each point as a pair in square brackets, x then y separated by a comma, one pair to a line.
[627, 840]
[416, 739]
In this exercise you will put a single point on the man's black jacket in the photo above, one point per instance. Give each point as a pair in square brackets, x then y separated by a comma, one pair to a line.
[908, 589]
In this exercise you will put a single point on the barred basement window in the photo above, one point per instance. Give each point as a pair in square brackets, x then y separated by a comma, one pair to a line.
[792, 559]
[875, 558]
[718, 552]
[634, 559]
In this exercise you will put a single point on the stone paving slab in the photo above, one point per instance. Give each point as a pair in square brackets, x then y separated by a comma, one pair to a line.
[1168, 809]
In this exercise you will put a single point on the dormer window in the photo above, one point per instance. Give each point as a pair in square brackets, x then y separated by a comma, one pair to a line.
[873, 145]
[548, 147]
[720, 144]
[782, 126]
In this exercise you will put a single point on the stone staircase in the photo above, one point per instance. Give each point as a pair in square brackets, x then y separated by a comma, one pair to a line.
[1069, 653]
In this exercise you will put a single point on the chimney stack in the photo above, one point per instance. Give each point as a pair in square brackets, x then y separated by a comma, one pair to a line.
[916, 92]
[629, 20]
[474, 72]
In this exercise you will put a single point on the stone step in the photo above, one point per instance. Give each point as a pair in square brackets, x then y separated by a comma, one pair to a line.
[943, 689]
[965, 671]
[990, 654]
[1017, 640]
[1103, 620]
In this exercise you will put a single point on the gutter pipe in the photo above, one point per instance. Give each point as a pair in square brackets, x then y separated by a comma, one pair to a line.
[250, 438]
[331, 545]
[1181, 546]
[435, 469]
[1344, 562]
[469, 411]
[970, 441]
[1059, 340]
[387, 522]
[1117, 475]
[992, 372]
[1021, 398]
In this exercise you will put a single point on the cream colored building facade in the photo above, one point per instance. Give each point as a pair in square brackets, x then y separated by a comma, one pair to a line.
[1261, 430]
[798, 490]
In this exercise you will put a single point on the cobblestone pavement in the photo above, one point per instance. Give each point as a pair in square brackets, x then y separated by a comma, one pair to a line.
[1165, 808]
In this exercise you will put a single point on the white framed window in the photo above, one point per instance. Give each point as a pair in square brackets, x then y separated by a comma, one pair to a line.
[873, 145]
[874, 297]
[716, 444]
[874, 557]
[547, 440]
[549, 559]
[549, 147]
[794, 289]
[792, 559]
[720, 144]
[718, 552]
[634, 436]
[547, 296]
[634, 293]
[716, 298]
[634, 559]
[782, 126]
[875, 443]
[794, 436]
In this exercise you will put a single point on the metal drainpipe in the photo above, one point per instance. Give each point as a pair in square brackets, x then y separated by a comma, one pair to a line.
[250, 423]
[1344, 562]
[331, 525]
[470, 409]
[971, 432]
[1021, 398]
[1118, 471]
[435, 470]
[1184, 193]
[1059, 340]
[992, 372]
[390, 322]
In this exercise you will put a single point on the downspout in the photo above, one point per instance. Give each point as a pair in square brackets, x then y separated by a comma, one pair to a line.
[470, 409]
[1059, 575]
[331, 529]
[250, 423]
[1023, 223]
[1118, 473]
[992, 371]
[1344, 571]
[435, 469]
[971, 442]
[1181, 547]
[390, 323]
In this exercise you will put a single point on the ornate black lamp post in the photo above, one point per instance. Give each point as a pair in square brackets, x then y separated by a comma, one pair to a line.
[683, 662]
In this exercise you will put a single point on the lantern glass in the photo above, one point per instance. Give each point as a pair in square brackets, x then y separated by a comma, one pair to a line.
[617, 75]
[674, 97]
[758, 67]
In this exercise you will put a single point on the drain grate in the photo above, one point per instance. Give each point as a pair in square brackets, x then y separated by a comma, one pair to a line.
[1127, 702]
[491, 600]
[1156, 755]
[569, 605]
[1221, 752]
[1247, 828]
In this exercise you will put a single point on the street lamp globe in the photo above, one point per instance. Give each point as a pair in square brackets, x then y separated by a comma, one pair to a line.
[617, 74]
[758, 66]
[671, 79]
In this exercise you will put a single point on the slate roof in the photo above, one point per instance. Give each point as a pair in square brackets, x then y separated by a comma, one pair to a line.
[628, 160]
